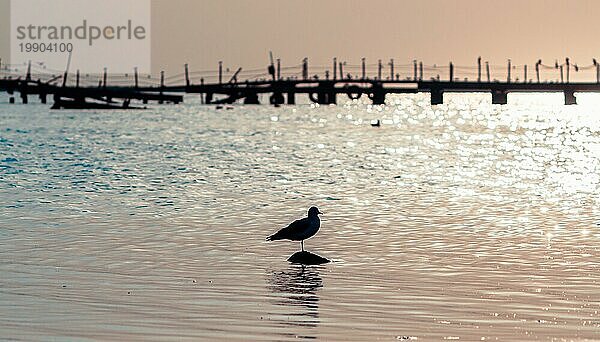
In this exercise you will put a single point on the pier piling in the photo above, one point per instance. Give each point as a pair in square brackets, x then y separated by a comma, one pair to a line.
[437, 96]
[499, 96]
[377, 94]
[570, 98]
[291, 97]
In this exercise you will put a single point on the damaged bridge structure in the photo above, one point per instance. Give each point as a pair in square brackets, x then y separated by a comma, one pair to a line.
[282, 85]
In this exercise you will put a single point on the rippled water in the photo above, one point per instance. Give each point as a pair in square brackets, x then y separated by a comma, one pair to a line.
[465, 221]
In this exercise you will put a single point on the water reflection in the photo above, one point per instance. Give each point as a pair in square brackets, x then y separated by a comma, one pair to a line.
[295, 292]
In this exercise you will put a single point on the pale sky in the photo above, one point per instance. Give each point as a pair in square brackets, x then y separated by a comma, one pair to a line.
[241, 32]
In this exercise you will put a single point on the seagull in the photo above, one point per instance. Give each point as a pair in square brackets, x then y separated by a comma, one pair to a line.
[300, 230]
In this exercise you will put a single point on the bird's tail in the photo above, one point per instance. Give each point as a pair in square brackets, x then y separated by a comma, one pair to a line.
[273, 237]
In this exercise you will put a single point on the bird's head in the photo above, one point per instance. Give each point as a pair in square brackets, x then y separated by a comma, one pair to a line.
[314, 211]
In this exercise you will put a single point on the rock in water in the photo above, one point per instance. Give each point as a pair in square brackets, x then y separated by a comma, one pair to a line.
[307, 258]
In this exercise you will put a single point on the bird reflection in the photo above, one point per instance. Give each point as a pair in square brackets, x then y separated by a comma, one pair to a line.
[295, 291]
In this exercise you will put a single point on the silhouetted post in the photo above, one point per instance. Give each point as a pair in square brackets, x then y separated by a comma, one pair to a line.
[221, 72]
[379, 67]
[508, 74]
[479, 69]
[278, 69]
[64, 83]
[597, 70]
[77, 79]
[568, 68]
[451, 72]
[187, 76]
[363, 68]
[415, 70]
[334, 68]
[392, 69]
[561, 74]
[537, 70]
[135, 77]
[162, 85]
[305, 68]
[525, 73]
[341, 71]
[202, 87]
[327, 75]
[104, 79]
[420, 71]
[28, 76]
[487, 71]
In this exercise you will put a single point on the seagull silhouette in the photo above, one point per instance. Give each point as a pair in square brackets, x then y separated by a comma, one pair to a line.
[300, 230]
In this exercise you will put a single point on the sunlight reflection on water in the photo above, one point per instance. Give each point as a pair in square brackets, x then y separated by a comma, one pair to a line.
[464, 220]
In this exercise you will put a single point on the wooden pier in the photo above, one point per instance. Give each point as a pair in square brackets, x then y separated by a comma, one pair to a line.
[370, 81]
[326, 92]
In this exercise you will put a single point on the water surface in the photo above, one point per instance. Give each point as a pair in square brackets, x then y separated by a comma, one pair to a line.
[466, 221]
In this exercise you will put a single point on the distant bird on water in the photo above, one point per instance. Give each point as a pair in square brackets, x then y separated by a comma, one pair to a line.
[301, 229]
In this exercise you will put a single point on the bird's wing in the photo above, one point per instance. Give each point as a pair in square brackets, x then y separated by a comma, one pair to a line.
[291, 230]
[297, 226]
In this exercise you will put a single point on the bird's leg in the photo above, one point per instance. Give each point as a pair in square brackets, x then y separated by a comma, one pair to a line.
[302, 244]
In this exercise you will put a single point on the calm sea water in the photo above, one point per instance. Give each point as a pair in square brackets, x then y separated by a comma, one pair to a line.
[465, 221]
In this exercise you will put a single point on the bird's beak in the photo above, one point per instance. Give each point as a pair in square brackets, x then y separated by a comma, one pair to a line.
[321, 213]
